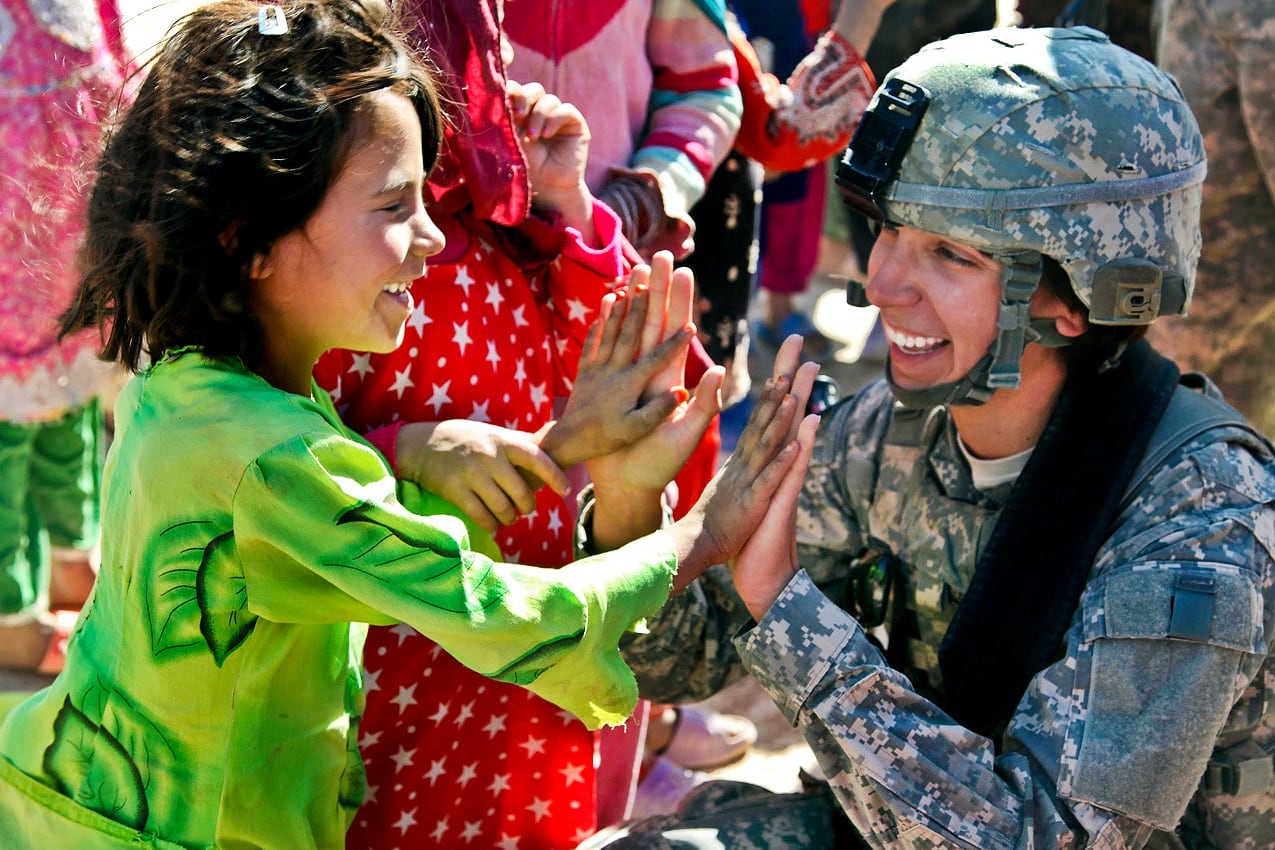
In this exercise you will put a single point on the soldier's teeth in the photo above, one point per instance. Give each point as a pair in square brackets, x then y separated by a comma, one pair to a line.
[908, 342]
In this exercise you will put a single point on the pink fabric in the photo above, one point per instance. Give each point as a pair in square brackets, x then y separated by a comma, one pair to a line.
[58, 82]
[790, 238]
[482, 165]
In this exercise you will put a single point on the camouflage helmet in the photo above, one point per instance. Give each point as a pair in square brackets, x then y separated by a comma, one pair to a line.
[1031, 142]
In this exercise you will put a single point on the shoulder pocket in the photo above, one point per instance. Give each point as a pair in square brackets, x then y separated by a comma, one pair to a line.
[1204, 603]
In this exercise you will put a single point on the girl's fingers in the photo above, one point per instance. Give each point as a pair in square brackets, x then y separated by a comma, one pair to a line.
[773, 391]
[661, 274]
[681, 300]
[593, 339]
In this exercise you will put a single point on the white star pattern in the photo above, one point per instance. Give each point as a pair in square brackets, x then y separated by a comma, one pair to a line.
[406, 697]
[403, 758]
[406, 821]
[361, 363]
[466, 712]
[540, 808]
[440, 396]
[533, 745]
[555, 520]
[418, 320]
[436, 770]
[440, 712]
[479, 413]
[494, 298]
[507, 842]
[495, 725]
[573, 773]
[468, 774]
[371, 680]
[463, 280]
[472, 830]
[519, 316]
[460, 335]
[440, 829]
[520, 371]
[499, 784]
[577, 310]
[538, 396]
[403, 631]
[493, 357]
[403, 380]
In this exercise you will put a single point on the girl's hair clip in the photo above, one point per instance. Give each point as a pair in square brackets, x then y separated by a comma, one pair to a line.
[270, 21]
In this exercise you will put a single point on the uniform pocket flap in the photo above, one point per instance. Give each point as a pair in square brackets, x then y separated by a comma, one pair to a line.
[1198, 603]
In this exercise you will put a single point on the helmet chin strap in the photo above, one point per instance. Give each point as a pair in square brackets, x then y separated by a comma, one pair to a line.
[1000, 367]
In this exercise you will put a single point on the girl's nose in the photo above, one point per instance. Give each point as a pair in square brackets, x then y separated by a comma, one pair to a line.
[427, 238]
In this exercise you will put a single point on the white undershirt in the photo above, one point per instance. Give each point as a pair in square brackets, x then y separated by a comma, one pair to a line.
[989, 473]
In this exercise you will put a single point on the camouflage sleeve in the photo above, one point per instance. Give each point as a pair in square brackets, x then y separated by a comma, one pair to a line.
[1164, 659]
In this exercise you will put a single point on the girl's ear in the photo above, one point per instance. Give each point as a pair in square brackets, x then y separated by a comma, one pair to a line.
[260, 268]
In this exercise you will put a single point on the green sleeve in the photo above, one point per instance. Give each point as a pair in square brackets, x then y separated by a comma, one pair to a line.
[322, 537]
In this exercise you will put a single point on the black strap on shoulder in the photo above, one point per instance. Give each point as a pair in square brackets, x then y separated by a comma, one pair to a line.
[1030, 576]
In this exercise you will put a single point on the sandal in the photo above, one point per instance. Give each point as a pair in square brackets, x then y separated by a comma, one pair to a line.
[704, 739]
[816, 345]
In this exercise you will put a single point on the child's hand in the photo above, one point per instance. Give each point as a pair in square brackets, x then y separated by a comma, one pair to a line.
[490, 473]
[613, 402]
[650, 463]
[754, 493]
[555, 141]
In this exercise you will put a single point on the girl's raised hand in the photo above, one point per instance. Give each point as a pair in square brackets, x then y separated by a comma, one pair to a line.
[611, 404]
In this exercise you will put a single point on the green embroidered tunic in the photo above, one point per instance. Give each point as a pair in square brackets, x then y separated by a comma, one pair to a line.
[212, 690]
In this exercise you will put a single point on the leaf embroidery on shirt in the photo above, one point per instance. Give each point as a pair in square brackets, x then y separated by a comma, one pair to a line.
[90, 766]
[199, 598]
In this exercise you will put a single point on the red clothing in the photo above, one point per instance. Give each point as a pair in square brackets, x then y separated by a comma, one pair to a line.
[454, 758]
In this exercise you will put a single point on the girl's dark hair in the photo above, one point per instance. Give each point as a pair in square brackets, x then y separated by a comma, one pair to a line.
[1100, 345]
[232, 142]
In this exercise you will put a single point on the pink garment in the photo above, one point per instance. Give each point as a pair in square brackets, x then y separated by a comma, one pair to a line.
[59, 80]
[655, 79]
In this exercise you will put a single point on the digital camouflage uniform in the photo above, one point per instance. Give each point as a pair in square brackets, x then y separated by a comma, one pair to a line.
[1108, 744]
[1222, 52]
[1154, 724]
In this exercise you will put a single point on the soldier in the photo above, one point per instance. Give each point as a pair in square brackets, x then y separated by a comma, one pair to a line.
[1024, 595]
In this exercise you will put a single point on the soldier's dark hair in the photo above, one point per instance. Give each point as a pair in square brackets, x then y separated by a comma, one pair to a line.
[1100, 344]
[233, 140]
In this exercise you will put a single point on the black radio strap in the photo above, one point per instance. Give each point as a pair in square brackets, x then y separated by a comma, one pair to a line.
[1029, 578]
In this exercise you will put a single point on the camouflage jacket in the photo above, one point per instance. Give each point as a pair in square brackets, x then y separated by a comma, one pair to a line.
[1135, 732]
